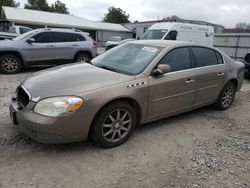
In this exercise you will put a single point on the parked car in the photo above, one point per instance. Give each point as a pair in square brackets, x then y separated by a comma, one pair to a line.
[134, 83]
[119, 43]
[203, 34]
[13, 32]
[246, 62]
[113, 41]
[46, 47]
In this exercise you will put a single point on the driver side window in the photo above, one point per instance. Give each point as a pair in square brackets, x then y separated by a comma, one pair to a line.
[178, 59]
[171, 35]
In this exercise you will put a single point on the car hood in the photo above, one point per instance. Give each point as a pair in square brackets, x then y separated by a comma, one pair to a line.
[7, 43]
[74, 79]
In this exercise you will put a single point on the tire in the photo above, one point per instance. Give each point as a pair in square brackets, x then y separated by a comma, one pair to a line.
[10, 64]
[114, 125]
[226, 97]
[83, 58]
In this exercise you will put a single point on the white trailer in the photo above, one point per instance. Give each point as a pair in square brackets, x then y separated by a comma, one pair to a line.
[236, 45]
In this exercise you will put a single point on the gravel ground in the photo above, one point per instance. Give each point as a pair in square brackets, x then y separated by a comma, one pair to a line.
[202, 148]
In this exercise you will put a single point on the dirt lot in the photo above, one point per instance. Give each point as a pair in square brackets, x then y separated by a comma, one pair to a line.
[202, 148]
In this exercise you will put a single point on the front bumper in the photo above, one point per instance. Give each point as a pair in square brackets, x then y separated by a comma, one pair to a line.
[49, 130]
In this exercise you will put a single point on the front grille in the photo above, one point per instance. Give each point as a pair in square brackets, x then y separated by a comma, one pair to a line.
[23, 98]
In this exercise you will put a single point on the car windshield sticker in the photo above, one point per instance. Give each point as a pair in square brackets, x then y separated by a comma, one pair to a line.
[149, 49]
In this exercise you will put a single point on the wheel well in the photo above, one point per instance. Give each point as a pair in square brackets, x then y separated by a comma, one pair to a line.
[235, 81]
[131, 101]
[83, 52]
[13, 53]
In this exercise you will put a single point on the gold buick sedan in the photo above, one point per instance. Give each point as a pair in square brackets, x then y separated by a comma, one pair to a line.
[134, 83]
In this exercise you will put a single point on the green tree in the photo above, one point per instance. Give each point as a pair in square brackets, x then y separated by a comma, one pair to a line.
[59, 7]
[8, 3]
[116, 15]
[37, 5]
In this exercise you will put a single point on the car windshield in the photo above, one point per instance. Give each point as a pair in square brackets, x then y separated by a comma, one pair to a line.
[25, 35]
[115, 39]
[130, 59]
[153, 34]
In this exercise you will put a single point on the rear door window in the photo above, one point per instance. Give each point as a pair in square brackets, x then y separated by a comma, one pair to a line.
[68, 37]
[178, 59]
[204, 56]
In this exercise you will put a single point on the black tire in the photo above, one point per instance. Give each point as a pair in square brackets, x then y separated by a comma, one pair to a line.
[220, 103]
[99, 131]
[83, 58]
[10, 64]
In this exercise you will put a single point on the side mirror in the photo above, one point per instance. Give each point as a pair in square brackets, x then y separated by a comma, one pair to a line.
[30, 40]
[161, 69]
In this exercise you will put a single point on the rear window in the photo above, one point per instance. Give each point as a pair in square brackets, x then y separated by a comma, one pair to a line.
[204, 56]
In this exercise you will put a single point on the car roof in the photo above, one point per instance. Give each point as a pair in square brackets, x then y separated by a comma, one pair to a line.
[62, 30]
[166, 43]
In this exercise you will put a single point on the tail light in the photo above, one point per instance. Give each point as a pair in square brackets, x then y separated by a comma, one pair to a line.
[94, 43]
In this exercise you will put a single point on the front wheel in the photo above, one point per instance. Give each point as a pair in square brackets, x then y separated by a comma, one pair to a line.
[226, 97]
[10, 64]
[114, 124]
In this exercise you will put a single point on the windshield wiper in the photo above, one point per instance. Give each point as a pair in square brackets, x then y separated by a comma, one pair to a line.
[105, 67]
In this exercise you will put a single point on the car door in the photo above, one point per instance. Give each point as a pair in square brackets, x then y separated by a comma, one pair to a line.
[66, 45]
[174, 91]
[42, 49]
[210, 74]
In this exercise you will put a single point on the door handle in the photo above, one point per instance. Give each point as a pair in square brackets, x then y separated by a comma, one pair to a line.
[221, 74]
[188, 81]
[75, 45]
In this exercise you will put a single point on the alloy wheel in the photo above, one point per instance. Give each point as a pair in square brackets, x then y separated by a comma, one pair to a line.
[116, 125]
[9, 64]
[228, 96]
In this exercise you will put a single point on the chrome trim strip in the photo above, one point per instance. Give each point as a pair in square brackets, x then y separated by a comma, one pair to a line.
[163, 98]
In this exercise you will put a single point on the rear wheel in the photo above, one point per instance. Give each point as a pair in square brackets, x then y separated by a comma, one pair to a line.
[114, 124]
[83, 58]
[10, 64]
[226, 97]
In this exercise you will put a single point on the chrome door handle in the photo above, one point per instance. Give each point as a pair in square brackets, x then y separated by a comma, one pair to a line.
[50, 46]
[188, 81]
[75, 45]
[221, 74]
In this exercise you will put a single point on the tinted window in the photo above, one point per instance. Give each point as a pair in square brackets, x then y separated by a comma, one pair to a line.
[171, 35]
[204, 56]
[68, 37]
[23, 30]
[78, 37]
[178, 59]
[45, 37]
[219, 58]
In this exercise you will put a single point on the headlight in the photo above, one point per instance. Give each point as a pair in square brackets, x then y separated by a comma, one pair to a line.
[58, 106]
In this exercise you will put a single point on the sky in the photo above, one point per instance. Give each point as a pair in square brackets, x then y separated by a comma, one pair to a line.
[223, 12]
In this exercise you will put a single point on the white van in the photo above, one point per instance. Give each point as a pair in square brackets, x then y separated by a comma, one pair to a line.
[180, 31]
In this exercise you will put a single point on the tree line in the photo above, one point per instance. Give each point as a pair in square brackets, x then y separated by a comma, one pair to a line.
[57, 6]
[114, 15]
